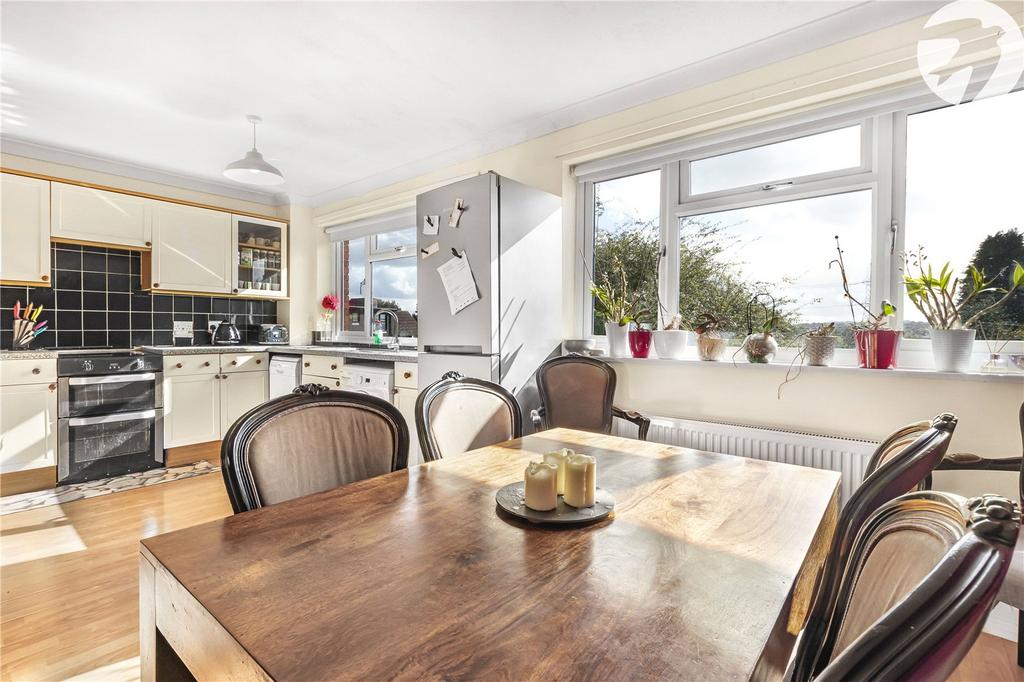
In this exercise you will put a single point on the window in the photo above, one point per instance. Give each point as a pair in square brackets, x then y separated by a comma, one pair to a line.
[965, 199]
[378, 269]
[732, 218]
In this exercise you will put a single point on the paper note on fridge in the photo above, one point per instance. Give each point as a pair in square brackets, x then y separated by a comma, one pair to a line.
[457, 278]
[431, 223]
[428, 251]
[457, 210]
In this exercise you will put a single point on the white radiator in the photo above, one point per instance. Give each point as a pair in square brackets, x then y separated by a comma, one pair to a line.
[847, 456]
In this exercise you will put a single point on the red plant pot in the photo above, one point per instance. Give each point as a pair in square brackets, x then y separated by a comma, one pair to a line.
[640, 342]
[877, 348]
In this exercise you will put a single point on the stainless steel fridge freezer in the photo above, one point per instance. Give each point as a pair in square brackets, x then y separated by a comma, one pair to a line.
[512, 236]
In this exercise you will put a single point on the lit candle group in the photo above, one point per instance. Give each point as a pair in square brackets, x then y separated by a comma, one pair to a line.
[562, 472]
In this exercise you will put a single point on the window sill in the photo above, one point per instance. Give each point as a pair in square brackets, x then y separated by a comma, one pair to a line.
[781, 367]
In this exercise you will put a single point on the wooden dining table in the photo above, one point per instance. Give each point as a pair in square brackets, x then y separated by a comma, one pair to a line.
[703, 571]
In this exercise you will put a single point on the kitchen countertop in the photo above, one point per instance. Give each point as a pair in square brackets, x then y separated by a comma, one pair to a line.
[28, 355]
[349, 352]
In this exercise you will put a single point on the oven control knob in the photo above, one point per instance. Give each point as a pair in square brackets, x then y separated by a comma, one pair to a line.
[87, 365]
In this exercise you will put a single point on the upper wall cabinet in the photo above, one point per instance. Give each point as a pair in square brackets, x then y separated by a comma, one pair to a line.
[93, 215]
[193, 249]
[24, 230]
[261, 257]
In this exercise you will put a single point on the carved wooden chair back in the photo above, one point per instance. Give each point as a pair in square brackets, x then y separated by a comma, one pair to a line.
[576, 392]
[894, 477]
[922, 577]
[311, 440]
[456, 414]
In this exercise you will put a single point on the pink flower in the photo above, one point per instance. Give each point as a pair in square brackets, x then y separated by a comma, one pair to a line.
[330, 302]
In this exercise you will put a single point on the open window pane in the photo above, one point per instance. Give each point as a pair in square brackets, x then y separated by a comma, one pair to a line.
[394, 288]
[802, 156]
[965, 202]
[353, 283]
[391, 241]
[627, 218]
[782, 249]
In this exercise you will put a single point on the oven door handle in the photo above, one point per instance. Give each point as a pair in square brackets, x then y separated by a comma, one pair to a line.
[112, 418]
[112, 379]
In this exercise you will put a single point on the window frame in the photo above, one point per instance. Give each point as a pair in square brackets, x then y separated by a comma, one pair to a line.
[882, 170]
[373, 255]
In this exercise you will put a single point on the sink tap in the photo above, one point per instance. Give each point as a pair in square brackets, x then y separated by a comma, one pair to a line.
[394, 340]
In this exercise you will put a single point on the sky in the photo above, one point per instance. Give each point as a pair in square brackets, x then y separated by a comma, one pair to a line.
[965, 181]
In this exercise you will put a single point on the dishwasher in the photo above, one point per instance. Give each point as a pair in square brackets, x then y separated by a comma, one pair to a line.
[285, 374]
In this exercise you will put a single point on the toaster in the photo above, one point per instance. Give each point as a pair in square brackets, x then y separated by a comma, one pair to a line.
[273, 334]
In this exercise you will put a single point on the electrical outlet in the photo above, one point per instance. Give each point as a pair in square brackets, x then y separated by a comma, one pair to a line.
[211, 325]
[183, 330]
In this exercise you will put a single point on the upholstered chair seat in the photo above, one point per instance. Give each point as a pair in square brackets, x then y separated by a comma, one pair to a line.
[457, 414]
[310, 441]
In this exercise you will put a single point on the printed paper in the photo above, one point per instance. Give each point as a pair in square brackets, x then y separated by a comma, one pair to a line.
[431, 223]
[458, 281]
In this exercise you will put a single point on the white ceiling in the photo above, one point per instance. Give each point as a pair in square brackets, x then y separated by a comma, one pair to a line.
[357, 95]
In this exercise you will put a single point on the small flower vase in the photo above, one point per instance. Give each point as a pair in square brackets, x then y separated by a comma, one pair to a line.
[760, 347]
[618, 339]
[710, 347]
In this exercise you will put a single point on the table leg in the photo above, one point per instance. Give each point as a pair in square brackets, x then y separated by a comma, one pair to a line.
[147, 620]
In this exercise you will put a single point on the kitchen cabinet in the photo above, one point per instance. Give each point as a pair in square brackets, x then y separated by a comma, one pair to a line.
[405, 401]
[261, 257]
[205, 394]
[28, 425]
[192, 250]
[24, 230]
[86, 214]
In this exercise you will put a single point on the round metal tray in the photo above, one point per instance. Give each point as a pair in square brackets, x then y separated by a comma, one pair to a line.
[511, 499]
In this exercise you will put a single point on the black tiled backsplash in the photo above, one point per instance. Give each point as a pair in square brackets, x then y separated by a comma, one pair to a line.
[97, 301]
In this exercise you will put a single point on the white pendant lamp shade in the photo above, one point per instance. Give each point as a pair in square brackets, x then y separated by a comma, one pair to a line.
[253, 169]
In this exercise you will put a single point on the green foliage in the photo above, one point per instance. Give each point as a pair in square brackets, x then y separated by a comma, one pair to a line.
[997, 253]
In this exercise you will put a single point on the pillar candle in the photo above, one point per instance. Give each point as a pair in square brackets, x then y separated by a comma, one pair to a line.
[559, 458]
[541, 491]
[580, 481]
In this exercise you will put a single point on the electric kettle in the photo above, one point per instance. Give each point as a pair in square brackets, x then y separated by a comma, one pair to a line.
[226, 333]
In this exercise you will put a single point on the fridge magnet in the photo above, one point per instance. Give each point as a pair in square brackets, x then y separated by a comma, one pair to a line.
[429, 251]
[457, 210]
[458, 281]
[431, 223]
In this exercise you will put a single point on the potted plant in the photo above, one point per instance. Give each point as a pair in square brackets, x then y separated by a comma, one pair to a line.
[877, 345]
[670, 341]
[760, 346]
[935, 296]
[710, 344]
[328, 305]
[820, 345]
[640, 338]
[618, 308]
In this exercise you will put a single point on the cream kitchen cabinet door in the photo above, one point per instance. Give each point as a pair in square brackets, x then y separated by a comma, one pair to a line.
[239, 393]
[28, 427]
[405, 401]
[192, 250]
[192, 406]
[24, 230]
[95, 215]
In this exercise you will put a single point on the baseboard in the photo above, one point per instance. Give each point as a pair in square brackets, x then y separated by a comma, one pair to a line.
[30, 480]
[189, 454]
[1002, 622]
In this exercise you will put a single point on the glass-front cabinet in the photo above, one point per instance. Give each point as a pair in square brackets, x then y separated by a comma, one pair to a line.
[261, 257]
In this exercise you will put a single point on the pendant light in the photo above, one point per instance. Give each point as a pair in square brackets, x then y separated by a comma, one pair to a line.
[252, 169]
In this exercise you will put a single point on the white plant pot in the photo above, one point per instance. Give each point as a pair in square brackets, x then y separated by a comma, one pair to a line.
[670, 344]
[952, 348]
[618, 340]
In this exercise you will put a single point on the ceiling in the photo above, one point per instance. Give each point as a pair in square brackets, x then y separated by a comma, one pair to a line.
[358, 95]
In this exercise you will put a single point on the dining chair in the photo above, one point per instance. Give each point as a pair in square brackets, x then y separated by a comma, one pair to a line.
[311, 440]
[900, 472]
[576, 392]
[456, 414]
[922, 578]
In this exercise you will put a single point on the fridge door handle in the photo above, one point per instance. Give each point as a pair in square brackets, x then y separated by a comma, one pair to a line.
[454, 350]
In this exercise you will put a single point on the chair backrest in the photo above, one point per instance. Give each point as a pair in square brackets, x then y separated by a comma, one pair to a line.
[923, 574]
[576, 392]
[894, 445]
[456, 414]
[311, 440]
[894, 477]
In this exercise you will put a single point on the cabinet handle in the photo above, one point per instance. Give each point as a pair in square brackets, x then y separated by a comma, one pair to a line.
[234, 291]
[35, 370]
[149, 243]
[259, 362]
[155, 285]
[334, 366]
[305, 364]
[178, 365]
[234, 362]
[52, 387]
[205, 364]
[337, 383]
[407, 375]
[45, 278]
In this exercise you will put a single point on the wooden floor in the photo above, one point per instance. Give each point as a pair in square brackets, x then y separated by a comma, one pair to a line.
[70, 596]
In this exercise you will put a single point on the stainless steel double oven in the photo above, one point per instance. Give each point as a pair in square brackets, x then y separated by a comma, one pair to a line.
[110, 414]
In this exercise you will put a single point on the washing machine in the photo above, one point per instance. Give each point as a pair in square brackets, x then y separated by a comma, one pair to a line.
[375, 380]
